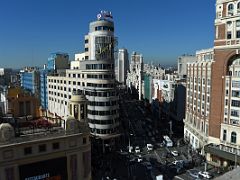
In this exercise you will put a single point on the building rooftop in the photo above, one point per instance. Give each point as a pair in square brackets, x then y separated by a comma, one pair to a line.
[38, 134]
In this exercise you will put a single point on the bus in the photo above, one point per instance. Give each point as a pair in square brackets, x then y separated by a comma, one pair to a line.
[167, 141]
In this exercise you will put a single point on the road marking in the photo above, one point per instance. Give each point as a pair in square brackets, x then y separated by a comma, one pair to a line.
[177, 177]
[167, 149]
[158, 157]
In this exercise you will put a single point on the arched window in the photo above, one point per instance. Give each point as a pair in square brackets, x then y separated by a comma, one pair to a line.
[233, 137]
[224, 135]
[230, 7]
[238, 7]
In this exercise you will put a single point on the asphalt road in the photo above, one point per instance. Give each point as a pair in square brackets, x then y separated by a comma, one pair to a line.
[139, 129]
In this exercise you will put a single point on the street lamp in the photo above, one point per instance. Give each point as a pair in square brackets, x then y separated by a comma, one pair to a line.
[129, 142]
[129, 150]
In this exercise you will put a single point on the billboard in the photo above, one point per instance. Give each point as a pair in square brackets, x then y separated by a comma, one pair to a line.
[53, 169]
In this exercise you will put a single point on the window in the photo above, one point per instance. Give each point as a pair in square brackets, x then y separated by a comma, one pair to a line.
[206, 129]
[238, 7]
[238, 23]
[27, 150]
[84, 140]
[238, 34]
[234, 113]
[234, 121]
[227, 83]
[55, 145]
[230, 9]
[229, 24]
[233, 137]
[235, 103]
[229, 35]
[224, 135]
[105, 28]
[226, 111]
[225, 120]
[236, 93]
[202, 127]
[42, 148]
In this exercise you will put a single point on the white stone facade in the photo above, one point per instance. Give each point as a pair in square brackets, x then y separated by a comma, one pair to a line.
[93, 77]
[122, 66]
[198, 91]
[134, 76]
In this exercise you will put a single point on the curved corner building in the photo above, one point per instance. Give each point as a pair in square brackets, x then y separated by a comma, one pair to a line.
[92, 73]
[100, 89]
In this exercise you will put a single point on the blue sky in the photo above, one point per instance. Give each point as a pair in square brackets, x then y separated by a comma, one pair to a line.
[161, 30]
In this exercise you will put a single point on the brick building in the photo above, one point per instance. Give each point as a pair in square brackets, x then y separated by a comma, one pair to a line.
[222, 136]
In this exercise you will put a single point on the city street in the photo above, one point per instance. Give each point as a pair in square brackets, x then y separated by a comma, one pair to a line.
[139, 128]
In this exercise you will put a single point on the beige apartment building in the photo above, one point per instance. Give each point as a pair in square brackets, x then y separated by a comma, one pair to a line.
[198, 99]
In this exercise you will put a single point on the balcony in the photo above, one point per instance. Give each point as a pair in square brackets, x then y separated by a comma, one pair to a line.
[217, 150]
[230, 13]
[234, 122]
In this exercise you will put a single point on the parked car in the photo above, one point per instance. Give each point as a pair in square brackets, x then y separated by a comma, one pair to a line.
[168, 155]
[137, 149]
[194, 173]
[160, 144]
[205, 174]
[149, 147]
[188, 164]
[180, 170]
[148, 165]
[174, 153]
[177, 162]
[139, 159]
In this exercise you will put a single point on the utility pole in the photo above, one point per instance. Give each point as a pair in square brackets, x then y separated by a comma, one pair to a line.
[170, 128]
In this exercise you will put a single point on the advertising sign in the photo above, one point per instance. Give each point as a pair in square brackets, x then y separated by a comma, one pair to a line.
[53, 169]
